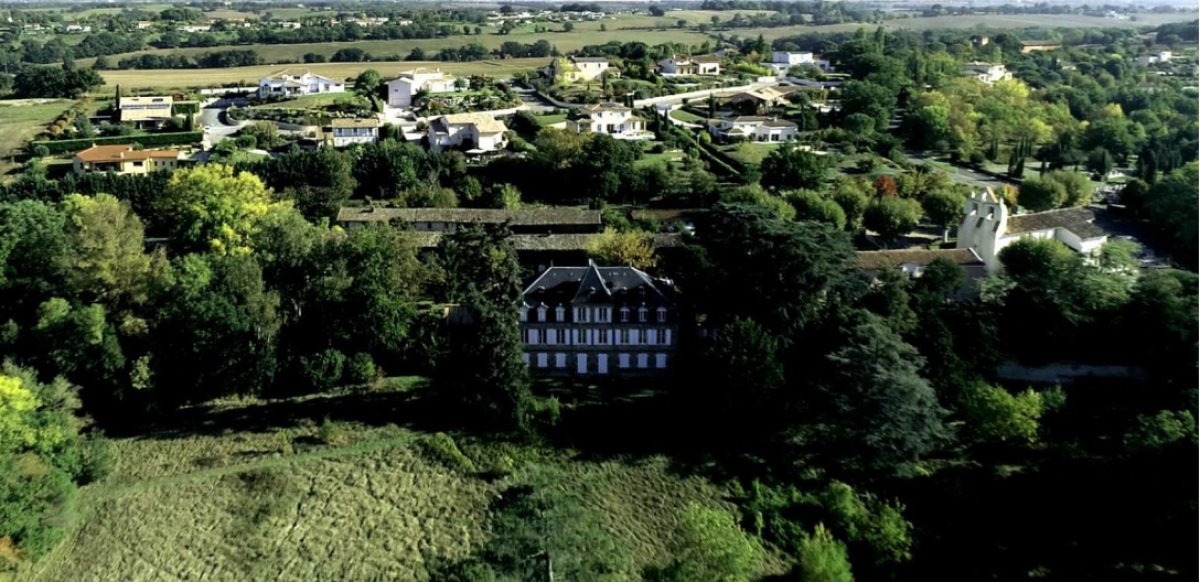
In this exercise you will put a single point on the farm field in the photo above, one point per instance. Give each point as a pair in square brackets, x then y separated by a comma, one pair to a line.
[960, 22]
[227, 501]
[21, 120]
[184, 78]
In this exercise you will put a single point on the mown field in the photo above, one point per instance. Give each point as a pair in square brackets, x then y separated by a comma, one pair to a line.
[999, 21]
[20, 120]
[185, 78]
[249, 497]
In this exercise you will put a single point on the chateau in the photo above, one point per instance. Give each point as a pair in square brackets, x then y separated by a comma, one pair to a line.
[598, 320]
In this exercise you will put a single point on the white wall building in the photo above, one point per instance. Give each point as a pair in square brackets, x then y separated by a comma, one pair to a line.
[575, 69]
[1154, 59]
[616, 120]
[685, 65]
[781, 61]
[987, 228]
[987, 73]
[753, 128]
[476, 132]
[403, 88]
[342, 132]
[286, 83]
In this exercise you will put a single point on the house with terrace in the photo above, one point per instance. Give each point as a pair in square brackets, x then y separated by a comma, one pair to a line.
[403, 89]
[565, 70]
[987, 73]
[988, 227]
[687, 65]
[124, 159]
[597, 320]
[613, 119]
[291, 84]
[477, 133]
[753, 128]
[342, 132]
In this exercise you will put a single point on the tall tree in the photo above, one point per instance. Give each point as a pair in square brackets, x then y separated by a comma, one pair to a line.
[108, 261]
[212, 208]
[790, 167]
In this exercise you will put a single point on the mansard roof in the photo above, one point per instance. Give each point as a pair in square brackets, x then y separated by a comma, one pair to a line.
[595, 285]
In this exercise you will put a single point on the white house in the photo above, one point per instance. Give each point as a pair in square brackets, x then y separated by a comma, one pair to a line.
[781, 61]
[987, 73]
[1154, 59]
[194, 28]
[476, 132]
[76, 28]
[286, 83]
[403, 88]
[685, 65]
[613, 119]
[753, 128]
[987, 228]
[575, 69]
[342, 132]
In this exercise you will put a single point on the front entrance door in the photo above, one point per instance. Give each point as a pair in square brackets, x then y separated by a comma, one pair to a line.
[581, 363]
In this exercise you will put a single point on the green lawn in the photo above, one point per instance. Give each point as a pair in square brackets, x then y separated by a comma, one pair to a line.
[21, 120]
[750, 153]
[548, 120]
[664, 158]
[684, 116]
[316, 101]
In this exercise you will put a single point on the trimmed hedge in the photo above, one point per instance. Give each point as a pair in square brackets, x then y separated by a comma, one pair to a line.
[63, 146]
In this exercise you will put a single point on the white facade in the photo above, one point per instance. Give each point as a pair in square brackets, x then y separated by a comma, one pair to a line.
[987, 228]
[475, 131]
[754, 129]
[346, 132]
[792, 59]
[575, 69]
[402, 89]
[1154, 59]
[678, 65]
[287, 84]
[609, 118]
[987, 73]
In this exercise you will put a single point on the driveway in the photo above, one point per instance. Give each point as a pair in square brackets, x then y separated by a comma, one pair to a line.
[217, 125]
[533, 101]
[963, 175]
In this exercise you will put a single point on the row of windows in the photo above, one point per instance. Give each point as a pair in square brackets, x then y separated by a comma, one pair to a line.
[599, 364]
[596, 337]
[595, 314]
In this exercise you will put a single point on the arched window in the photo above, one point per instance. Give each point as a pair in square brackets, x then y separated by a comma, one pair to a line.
[642, 314]
[624, 315]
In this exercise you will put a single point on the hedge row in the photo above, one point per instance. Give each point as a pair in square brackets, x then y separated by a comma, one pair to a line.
[150, 140]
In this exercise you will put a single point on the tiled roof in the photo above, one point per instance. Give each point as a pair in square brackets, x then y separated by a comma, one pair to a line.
[578, 242]
[705, 59]
[1039, 43]
[118, 153]
[595, 284]
[1080, 221]
[589, 59]
[779, 123]
[524, 217]
[482, 122]
[606, 106]
[879, 260]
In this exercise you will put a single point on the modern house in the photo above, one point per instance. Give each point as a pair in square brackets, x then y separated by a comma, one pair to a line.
[610, 118]
[753, 129]
[477, 133]
[576, 69]
[288, 84]
[987, 73]
[781, 61]
[760, 98]
[402, 90]
[123, 159]
[987, 228]
[1153, 59]
[598, 321]
[686, 65]
[342, 132]
[144, 111]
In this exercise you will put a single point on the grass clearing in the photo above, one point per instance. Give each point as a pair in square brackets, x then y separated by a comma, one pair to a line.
[191, 78]
[21, 120]
[685, 116]
[750, 153]
[548, 120]
[285, 503]
[989, 21]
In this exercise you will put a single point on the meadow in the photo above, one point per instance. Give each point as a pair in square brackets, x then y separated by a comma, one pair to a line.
[189, 78]
[22, 119]
[221, 499]
[988, 21]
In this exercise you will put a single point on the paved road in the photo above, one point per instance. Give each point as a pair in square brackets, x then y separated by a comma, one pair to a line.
[217, 124]
[964, 175]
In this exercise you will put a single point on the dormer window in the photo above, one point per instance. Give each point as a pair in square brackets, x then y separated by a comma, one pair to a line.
[542, 313]
[524, 313]
[624, 315]
[560, 314]
[662, 314]
[642, 314]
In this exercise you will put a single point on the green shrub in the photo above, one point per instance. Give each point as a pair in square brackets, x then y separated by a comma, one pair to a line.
[324, 369]
[151, 140]
[442, 448]
[331, 433]
[361, 369]
[98, 459]
[36, 498]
